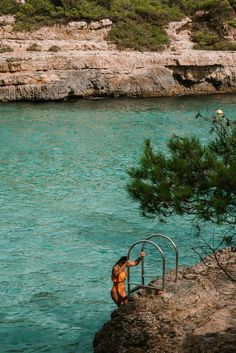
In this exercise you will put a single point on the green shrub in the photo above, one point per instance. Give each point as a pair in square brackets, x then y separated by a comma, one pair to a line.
[217, 12]
[205, 39]
[210, 41]
[5, 49]
[160, 14]
[225, 45]
[33, 15]
[139, 24]
[143, 36]
[187, 6]
[233, 4]
[85, 11]
[41, 7]
[105, 3]
[122, 9]
[208, 5]
[58, 12]
[54, 48]
[34, 47]
[8, 6]
[26, 10]
[11, 60]
[130, 18]
[232, 22]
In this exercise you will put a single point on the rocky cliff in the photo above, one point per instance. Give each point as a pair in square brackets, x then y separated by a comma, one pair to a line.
[197, 315]
[85, 65]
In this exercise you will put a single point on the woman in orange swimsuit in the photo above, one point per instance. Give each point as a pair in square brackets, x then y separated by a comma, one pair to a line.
[118, 278]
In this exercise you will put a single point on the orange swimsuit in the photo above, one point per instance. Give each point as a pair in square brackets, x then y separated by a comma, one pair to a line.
[118, 293]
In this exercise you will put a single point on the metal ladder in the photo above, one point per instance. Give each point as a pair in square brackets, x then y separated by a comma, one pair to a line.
[148, 241]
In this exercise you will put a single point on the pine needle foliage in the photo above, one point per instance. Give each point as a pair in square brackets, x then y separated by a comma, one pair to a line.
[191, 179]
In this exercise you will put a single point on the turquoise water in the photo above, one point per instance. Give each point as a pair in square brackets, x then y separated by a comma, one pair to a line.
[65, 214]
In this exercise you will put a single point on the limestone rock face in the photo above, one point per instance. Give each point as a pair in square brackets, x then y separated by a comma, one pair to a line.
[86, 65]
[197, 315]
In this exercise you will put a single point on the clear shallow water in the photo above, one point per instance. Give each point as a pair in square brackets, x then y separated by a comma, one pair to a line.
[66, 217]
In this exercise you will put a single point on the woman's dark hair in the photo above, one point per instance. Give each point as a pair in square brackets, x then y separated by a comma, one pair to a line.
[122, 260]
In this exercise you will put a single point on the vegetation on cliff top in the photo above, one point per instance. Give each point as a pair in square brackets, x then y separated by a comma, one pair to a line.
[138, 24]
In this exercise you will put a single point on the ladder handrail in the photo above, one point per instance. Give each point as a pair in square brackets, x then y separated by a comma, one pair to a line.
[144, 241]
[176, 253]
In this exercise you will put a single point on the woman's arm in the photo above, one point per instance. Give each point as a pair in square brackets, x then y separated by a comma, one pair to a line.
[137, 261]
[133, 263]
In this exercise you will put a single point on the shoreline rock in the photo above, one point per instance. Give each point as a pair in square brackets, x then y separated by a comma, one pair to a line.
[86, 65]
[197, 315]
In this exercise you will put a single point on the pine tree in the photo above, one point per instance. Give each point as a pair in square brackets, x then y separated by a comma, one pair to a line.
[192, 179]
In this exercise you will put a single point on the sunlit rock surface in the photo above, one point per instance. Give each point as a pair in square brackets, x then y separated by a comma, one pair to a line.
[86, 65]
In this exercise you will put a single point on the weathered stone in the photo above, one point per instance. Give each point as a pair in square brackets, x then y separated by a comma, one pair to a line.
[106, 22]
[192, 319]
[200, 13]
[94, 25]
[78, 25]
[7, 20]
[87, 65]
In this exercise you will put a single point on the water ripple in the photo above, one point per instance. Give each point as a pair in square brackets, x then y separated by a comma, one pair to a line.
[65, 214]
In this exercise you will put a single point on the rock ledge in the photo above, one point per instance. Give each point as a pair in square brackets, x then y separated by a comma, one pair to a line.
[73, 61]
[198, 315]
